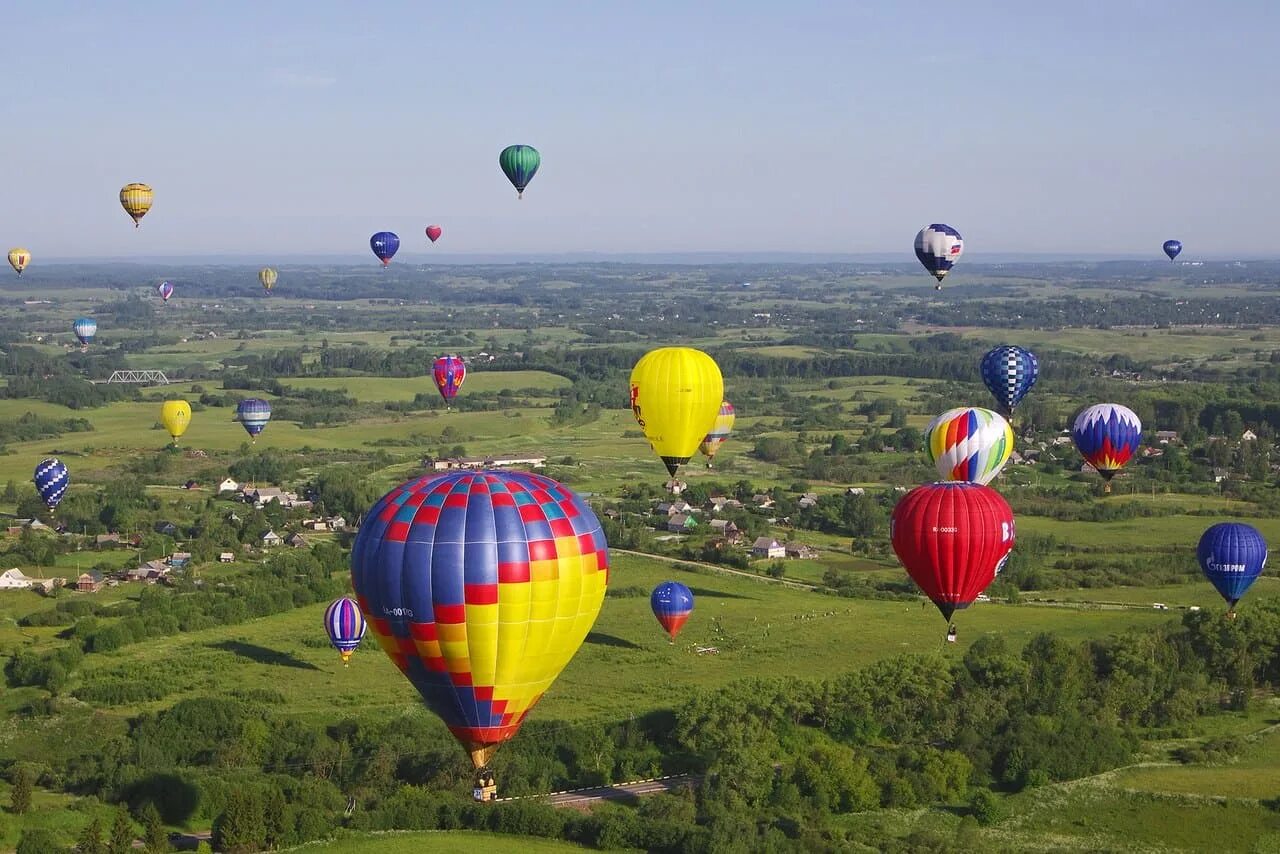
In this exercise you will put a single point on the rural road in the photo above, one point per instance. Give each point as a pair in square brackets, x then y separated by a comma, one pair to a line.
[724, 569]
[586, 798]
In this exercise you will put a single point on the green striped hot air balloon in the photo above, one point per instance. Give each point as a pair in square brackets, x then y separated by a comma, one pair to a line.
[519, 163]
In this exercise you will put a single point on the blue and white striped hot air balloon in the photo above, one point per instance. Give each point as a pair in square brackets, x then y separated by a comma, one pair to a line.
[939, 247]
[345, 625]
[51, 480]
[1009, 373]
[85, 328]
[253, 414]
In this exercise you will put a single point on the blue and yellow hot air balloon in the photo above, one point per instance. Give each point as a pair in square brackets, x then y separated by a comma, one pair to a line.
[253, 413]
[969, 443]
[480, 586]
[345, 626]
[1107, 436]
[720, 431]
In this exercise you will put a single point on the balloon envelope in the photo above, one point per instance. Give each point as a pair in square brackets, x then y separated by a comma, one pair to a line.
[676, 394]
[969, 443]
[1172, 248]
[952, 538]
[136, 201]
[175, 415]
[434, 232]
[85, 328]
[672, 603]
[939, 246]
[345, 626]
[51, 480]
[1107, 436]
[449, 372]
[480, 586]
[165, 290]
[1232, 555]
[720, 430]
[253, 414]
[519, 163]
[19, 258]
[1009, 373]
[384, 245]
[268, 277]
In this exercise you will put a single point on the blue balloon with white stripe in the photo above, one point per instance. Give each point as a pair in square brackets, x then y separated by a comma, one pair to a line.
[1172, 248]
[939, 246]
[253, 414]
[1232, 555]
[51, 480]
[1009, 372]
[85, 328]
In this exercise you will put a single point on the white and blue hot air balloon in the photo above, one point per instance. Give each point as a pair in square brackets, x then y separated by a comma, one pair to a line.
[1172, 248]
[1232, 555]
[51, 480]
[939, 247]
[85, 328]
[1009, 372]
[253, 414]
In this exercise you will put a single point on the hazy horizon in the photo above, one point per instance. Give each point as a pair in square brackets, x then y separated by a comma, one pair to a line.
[286, 129]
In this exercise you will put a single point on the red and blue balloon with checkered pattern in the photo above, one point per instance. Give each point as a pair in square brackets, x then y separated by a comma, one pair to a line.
[480, 586]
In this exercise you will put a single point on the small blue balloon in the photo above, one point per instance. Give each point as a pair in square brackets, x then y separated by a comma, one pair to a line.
[384, 245]
[1172, 248]
[51, 480]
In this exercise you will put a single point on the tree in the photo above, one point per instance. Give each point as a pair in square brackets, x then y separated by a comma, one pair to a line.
[122, 834]
[90, 841]
[155, 837]
[240, 829]
[20, 795]
[37, 840]
[986, 807]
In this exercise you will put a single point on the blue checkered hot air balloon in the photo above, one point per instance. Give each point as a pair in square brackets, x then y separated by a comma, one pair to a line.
[1232, 555]
[51, 480]
[85, 328]
[345, 625]
[253, 414]
[1009, 372]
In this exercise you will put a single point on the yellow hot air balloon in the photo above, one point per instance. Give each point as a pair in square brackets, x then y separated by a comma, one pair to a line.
[675, 396]
[19, 258]
[175, 415]
[136, 201]
[268, 277]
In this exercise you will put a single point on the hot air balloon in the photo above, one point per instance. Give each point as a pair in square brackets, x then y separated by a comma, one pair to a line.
[175, 415]
[268, 276]
[939, 247]
[345, 625]
[1172, 248]
[1107, 435]
[19, 258]
[85, 328]
[1009, 372]
[384, 245]
[434, 232]
[519, 163]
[253, 414]
[449, 372]
[672, 604]
[719, 432]
[952, 537]
[136, 201]
[51, 480]
[165, 290]
[480, 586]
[969, 443]
[676, 394]
[1232, 555]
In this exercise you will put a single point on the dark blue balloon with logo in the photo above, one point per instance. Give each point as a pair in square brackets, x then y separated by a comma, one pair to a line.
[384, 245]
[51, 480]
[1172, 248]
[1232, 555]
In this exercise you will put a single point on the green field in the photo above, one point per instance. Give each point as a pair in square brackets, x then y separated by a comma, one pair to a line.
[377, 389]
[435, 842]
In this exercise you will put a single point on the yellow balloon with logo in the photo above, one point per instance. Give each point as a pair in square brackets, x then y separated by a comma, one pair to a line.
[675, 396]
[19, 258]
[175, 415]
[136, 200]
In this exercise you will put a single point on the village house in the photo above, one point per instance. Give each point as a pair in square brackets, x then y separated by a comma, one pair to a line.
[107, 540]
[260, 496]
[297, 541]
[809, 499]
[226, 557]
[681, 522]
[535, 461]
[21, 525]
[675, 487]
[1220, 474]
[270, 539]
[762, 501]
[14, 579]
[151, 572]
[89, 582]
[801, 551]
[166, 529]
[855, 490]
[1164, 437]
[179, 560]
[228, 485]
[726, 529]
[1248, 436]
[767, 547]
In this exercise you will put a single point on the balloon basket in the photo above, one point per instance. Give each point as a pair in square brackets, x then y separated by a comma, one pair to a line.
[485, 788]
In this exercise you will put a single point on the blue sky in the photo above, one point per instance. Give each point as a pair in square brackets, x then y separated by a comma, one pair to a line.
[288, 127]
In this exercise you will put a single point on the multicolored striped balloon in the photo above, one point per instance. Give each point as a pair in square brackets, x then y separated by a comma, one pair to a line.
[449, 372]
[136, 200]
[165, 289]
[719, 432]
[345, 625]
[969, 443]
[480, 586]
[1107, 436]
